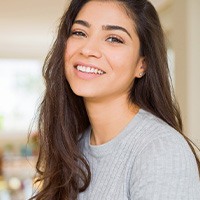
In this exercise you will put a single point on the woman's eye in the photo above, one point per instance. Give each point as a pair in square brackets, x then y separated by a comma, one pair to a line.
[78, 33]
[114, 40]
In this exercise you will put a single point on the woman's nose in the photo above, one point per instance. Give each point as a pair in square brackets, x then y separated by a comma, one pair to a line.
[91, 49]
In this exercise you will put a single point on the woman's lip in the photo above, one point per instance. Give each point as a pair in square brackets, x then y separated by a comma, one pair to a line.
[88, 65]
[86, 76]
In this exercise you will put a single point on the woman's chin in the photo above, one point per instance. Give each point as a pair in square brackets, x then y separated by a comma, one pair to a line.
[85, 93]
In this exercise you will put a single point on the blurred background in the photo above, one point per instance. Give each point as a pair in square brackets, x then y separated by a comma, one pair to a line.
[27, 31]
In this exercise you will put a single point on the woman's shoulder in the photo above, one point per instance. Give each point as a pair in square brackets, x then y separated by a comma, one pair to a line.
[163, 163]
[156, 127]
[156, 133]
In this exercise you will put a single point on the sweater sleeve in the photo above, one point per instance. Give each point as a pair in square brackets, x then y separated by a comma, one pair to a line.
[165, 169]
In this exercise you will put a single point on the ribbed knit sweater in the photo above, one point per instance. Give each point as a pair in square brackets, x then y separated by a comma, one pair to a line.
[147, 160]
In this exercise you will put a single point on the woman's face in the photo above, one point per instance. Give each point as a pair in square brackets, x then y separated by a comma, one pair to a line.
[102, 53]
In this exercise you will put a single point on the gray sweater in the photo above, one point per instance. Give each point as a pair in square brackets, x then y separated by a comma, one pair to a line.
[147, 160]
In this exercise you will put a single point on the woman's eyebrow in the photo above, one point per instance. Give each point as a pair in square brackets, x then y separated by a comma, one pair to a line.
[115, 27]
[82, 22]
[104, 27]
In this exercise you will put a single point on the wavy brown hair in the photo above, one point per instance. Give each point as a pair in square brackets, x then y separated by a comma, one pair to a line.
[61, 166]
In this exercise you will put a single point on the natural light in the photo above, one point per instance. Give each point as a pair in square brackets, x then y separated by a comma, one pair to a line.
[20, 92]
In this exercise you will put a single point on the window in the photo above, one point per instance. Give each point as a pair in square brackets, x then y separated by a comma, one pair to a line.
[21, 88]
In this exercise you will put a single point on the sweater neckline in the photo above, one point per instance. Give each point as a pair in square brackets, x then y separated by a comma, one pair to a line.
[108, 147]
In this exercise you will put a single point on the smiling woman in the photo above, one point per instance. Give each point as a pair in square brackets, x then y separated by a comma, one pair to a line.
[111, 46]
[109, 125]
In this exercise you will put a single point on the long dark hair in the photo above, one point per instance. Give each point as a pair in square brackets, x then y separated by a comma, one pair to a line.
[61, 167]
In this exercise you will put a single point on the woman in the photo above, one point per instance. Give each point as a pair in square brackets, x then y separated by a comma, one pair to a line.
[109, 126]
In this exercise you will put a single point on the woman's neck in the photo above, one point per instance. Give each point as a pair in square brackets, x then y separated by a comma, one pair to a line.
[108, 118]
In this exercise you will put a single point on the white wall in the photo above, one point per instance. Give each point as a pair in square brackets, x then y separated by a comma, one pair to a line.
[181, 20]
[27, 27]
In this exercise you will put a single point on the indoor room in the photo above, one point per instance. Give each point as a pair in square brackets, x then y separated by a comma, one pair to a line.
[27, 32]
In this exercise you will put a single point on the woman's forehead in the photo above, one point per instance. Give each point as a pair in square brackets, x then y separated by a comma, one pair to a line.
[106, 12]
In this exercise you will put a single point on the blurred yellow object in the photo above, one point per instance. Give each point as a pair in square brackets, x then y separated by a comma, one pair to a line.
[3, 184]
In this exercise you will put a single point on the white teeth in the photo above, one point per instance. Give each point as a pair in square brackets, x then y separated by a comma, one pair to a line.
[89, 69]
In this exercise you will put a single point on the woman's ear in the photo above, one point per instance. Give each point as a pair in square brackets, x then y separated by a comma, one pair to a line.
[141, 68]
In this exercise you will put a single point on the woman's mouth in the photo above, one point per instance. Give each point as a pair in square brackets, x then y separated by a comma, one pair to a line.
[90, 70]
[87, 73]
